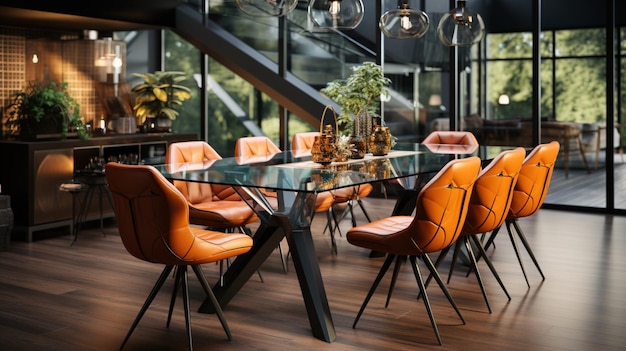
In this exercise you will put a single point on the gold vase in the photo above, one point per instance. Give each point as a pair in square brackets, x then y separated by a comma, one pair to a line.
[380, 141]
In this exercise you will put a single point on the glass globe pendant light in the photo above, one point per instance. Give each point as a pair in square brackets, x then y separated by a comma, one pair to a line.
[335, 14]
[404, 23]
[266, 8]
[461, 26]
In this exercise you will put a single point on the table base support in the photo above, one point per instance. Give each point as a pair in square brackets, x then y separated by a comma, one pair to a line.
[302, 249]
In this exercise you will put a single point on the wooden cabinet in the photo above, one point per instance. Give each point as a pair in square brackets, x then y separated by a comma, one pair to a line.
[32, 172]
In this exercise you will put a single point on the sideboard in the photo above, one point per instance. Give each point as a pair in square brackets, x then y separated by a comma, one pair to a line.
[31, 173]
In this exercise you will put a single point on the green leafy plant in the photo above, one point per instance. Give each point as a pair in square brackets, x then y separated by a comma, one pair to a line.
[160, 94]
[358, 93]
[45, 107]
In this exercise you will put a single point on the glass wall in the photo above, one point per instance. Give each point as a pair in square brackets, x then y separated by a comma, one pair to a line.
[573, 106]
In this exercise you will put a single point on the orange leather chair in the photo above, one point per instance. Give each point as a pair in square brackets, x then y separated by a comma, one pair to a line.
[255, 149]
[301, 145]
[212, 205]
[443, 141]
[153, 221]
[441, 209]
[252, 149]
[488, 208]
[530, 192]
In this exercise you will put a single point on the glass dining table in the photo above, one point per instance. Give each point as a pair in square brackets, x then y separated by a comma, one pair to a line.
[294, 181]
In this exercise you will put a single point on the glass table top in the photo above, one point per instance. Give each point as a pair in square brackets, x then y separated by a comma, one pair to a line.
[290, 171]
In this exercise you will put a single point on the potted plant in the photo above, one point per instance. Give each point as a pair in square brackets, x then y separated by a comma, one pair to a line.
[359, 93]
[45, 110]
[159, 96]
[358, 96]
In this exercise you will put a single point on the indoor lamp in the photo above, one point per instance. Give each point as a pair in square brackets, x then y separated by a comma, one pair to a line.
[335, 14]
[460, 26]
[266, 8]
[404, 23]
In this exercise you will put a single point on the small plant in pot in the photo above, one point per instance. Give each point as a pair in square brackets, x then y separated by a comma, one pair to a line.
[159, 97]
[44, 110]
[358, 96]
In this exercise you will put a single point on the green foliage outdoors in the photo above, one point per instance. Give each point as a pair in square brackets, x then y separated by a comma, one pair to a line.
[577, 58]
[224, 128]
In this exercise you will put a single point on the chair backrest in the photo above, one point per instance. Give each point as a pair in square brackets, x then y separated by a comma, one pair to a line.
[196, 192]
[493, 192]
[302, 143]
[255, 146]
[451, 141]
[190, 151]
[534, 180]
[440, 211]
[152, 216]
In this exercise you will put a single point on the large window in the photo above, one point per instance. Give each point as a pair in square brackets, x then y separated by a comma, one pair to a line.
[573, 106]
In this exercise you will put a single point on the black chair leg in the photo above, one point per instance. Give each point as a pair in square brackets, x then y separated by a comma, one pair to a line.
[379, 277]
[363, 209]
[182, 272]
[153, 293]
[474, 265]
[489, 264]
[455, 257]
[333, 243]
[422, 287]
[517, 253]
[177, 279]
[522, 237]
[394, 277]
[207, 289]
[435, 274]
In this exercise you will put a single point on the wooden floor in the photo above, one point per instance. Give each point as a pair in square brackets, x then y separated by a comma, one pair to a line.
[54, 296]
[587, 188]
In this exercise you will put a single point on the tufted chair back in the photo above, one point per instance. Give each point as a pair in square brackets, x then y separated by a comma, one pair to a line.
[302, 143]
[255, 149]
[493, 192]
[440, 212]
[534, 180]
[153, 219]
[196, 192]
[443, 141]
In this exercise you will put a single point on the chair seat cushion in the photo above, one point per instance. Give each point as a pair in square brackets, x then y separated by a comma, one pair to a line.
[323, 201]
[220, 246]
[221, 214]
[381, 235]
[352, 193]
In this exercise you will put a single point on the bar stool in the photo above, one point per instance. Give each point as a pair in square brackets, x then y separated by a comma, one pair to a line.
[83, 188]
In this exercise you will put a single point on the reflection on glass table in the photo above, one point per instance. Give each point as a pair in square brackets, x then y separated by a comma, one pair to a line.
[297, 180]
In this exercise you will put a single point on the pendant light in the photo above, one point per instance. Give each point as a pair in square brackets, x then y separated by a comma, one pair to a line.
[335, 14]
[266, 8]
[404, 23]
[461, 26]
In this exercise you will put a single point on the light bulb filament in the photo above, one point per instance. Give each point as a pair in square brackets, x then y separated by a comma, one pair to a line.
[405, 23]
[335, 7]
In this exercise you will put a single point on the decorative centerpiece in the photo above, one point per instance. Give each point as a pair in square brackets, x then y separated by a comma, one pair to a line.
[358, 96]
[324, 149]
[158, 98]
[45, 110]
[380, 141]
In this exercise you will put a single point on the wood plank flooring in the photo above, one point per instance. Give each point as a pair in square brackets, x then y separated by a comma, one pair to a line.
[54, 296]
